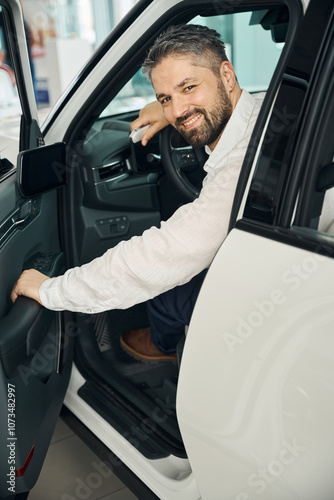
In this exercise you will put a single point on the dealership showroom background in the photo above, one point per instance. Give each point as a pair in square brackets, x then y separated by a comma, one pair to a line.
[62, 35]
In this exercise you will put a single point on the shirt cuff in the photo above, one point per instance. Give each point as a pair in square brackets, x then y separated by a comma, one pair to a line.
[50, 297]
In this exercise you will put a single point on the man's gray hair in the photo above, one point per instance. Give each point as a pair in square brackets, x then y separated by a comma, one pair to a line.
[195, 40]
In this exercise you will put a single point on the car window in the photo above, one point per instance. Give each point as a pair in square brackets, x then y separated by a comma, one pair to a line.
[134, 95]
[295, 191]
[249, 46]
[315, 211]
[10, 107]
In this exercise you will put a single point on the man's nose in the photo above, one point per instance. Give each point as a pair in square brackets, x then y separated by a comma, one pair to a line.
[180, 106]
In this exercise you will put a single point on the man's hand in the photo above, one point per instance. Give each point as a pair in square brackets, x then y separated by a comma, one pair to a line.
[29, 284]
[152, 114]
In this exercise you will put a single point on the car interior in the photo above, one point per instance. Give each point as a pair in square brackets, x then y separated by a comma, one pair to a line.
[117, 189]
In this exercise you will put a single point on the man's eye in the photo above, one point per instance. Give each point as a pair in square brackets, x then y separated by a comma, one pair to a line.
[190, 87]
[165, 100]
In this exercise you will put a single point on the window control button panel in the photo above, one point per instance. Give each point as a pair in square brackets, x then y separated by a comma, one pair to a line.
[46, 263]
[117, 226]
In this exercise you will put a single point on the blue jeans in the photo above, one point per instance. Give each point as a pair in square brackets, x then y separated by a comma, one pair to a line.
[171, 311]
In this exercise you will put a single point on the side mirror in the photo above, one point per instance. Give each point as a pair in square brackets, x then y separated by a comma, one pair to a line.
[41, 169]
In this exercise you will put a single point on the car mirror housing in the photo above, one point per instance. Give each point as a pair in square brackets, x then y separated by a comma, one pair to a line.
[41, 169]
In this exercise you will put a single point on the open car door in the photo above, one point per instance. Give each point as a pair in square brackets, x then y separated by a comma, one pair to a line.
[255, 396]
[35, 351]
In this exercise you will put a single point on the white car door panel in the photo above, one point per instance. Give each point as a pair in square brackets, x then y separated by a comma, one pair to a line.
[264, 341]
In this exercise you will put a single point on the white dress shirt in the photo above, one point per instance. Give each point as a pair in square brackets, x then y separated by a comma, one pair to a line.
[162, 258]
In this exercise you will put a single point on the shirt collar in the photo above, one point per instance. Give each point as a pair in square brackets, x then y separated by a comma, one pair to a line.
[233, 132]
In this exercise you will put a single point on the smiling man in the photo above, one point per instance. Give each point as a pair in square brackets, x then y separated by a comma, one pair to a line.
[198, 105]
[199, 95]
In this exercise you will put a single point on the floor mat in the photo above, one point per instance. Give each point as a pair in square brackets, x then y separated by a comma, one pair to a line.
[108, 327]
[102, 331]
[158, 381]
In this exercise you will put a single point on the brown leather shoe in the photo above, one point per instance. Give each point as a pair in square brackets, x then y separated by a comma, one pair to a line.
[139, 345]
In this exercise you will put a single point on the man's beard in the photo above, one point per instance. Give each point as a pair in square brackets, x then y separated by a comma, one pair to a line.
[215, 121]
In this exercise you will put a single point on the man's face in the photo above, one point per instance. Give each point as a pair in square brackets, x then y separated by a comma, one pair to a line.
[193, 98]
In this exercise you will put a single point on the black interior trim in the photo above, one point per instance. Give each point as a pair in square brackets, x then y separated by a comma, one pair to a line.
[141, 431]
[90, 363]
[24, 327]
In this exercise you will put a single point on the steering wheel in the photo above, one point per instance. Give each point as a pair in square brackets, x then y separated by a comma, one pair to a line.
[182, 163]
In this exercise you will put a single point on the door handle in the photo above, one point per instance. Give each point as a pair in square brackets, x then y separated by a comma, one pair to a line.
[23, 213]
[24, 326]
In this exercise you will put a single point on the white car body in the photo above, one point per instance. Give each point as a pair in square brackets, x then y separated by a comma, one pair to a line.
[254, 393]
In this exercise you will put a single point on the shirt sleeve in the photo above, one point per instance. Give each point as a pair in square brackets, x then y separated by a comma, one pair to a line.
[160, 259]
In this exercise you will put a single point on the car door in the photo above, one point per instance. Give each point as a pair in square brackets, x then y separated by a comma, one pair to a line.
[257, 417]
[35, 349]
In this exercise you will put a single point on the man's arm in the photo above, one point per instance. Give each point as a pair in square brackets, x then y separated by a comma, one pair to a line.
[152, 114]
[31, 280]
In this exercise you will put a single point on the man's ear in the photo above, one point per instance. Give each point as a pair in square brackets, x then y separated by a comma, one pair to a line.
[228, 76]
